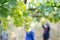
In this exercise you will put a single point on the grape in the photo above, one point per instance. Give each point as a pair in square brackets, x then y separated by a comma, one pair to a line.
[22, 6]
[5, 23]
[18, 21]
[18, 11]
[28, 21]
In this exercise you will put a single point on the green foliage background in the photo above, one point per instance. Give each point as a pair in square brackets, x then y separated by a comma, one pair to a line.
[19, 11]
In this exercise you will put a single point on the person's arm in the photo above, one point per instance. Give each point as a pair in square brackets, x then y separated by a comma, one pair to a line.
[43, 27]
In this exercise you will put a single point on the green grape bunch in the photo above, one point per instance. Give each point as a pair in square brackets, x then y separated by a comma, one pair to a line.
[5, 24]
[28, 21]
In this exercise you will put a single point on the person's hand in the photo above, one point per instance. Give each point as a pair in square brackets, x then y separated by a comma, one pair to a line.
[43, 26]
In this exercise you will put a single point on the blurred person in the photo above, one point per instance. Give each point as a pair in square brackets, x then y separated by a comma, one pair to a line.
[4, 35]
[46, 33]
[1, 28]
[30, 33]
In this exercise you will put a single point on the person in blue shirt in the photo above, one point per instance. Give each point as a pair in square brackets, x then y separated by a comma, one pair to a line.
[4, 35]
[46, 33]
[30, 34]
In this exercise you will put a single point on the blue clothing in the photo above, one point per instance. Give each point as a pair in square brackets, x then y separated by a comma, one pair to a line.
[46, 32]
[30, 35]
